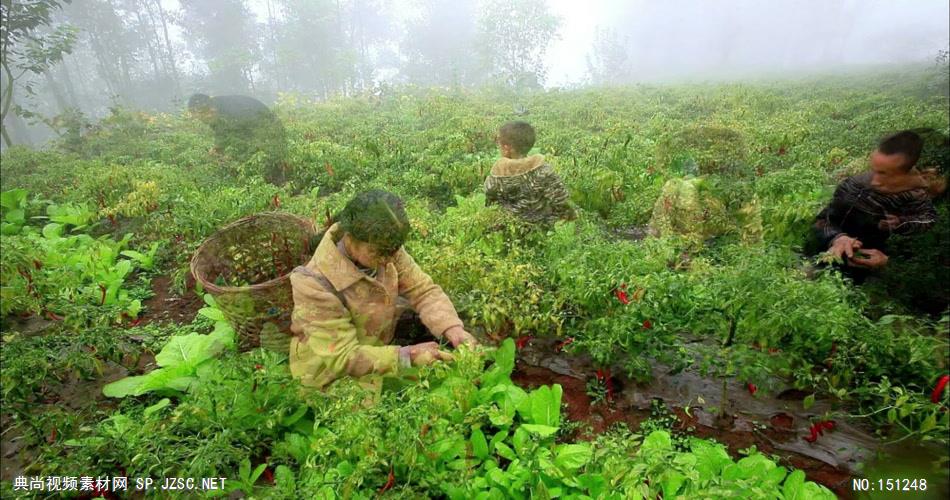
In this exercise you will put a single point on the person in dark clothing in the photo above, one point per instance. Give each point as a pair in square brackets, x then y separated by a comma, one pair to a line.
[892, 198]
[243, 126]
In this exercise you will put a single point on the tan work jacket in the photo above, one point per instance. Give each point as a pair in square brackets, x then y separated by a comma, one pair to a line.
[343, 320]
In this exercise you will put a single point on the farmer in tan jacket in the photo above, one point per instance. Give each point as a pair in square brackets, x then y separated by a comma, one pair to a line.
[345, 298]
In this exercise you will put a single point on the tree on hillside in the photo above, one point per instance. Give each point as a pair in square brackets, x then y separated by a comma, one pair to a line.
[327, 47]
[609, 62]
[438, 46]
[31, 43]
[513, 38]
[224, 35]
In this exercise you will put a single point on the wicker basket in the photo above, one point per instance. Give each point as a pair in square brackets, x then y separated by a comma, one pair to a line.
[246, 267]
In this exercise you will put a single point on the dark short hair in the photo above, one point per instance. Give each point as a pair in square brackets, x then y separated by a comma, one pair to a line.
[905, 142]
[376, 217]
[198, 101]
[519, 135]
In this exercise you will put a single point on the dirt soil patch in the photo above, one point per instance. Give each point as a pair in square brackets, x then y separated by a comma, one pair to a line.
[166, 306]
[580, 408]
[775, 426]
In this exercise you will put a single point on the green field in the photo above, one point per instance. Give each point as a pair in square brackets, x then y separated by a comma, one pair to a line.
[94, 226]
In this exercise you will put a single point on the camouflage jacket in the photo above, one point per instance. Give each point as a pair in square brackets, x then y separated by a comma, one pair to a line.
[530, 188]
[343, 320]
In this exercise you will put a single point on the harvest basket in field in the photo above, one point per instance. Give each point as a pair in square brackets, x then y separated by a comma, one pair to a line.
[246, 267]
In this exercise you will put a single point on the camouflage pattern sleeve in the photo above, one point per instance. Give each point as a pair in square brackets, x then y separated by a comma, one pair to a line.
[327, 346]
[556, 192]
[426, 298]
[492, 191]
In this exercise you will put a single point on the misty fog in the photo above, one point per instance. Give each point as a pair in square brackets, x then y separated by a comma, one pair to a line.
[152, 54]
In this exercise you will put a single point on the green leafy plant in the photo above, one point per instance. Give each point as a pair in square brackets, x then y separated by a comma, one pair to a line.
[180, 361]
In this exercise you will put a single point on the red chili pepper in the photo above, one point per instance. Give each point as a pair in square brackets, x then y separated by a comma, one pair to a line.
[752, 388]
[523, 341]
[268, 476]
[390, 481]
[258, 367]
[647, 324]
[603, 376]
[622, 296]
[135, 322]
[29, 282]
[813, 436]
[938, 391]
[53, 316]
[818, 429]
[562, 344]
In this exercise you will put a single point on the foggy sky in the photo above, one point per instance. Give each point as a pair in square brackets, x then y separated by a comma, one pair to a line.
[722, 38]
[705, 38]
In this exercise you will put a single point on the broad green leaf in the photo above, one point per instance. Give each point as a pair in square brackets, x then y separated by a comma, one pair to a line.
[546, 405]
[132, 254]
[292, 419]
[809, 401]
[52, 231]
[497, 438]
[123, 387]
[157, 406]
[188, 349]
[521, 440]
[755, 466]
[479, 444]
[212, 314]
[499, 477]
[775, 476]
[14, 198]
[504, 364]
[657, 441]
[793, 489]
[540, 430]
[15, 216]
[595, 484]
[672, 482]
[504, 451]
[135, 307]
[499, 418]
[572, 456]
[257, 473]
